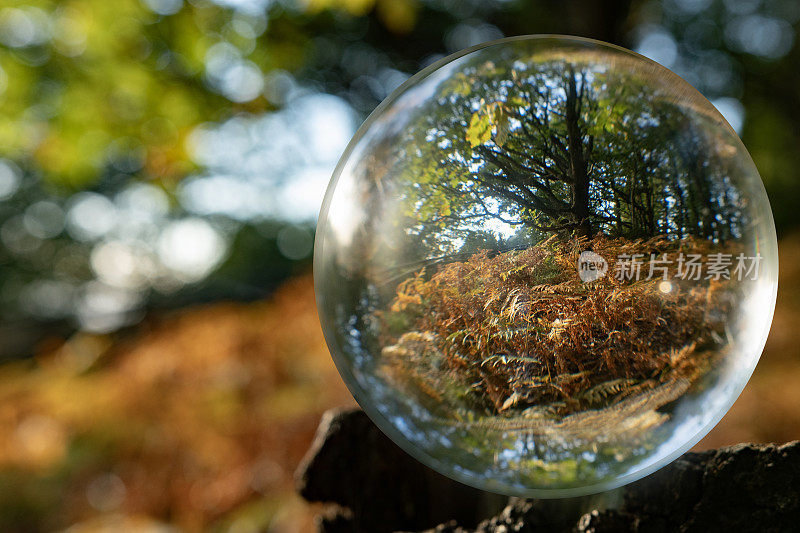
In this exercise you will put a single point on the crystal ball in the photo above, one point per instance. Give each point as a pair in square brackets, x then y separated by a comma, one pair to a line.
[546, 266]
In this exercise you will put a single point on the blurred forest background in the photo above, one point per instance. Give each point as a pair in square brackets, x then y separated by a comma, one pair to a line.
[162, 163]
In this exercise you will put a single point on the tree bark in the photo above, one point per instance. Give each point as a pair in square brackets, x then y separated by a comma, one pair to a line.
[373, 486]
[577, 160]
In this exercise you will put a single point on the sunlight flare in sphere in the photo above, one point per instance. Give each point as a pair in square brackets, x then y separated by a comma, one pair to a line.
[546, 266]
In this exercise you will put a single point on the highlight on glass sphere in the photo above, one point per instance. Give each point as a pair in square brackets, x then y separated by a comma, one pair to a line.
[546, 266]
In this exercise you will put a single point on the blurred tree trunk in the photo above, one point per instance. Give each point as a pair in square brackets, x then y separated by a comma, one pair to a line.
[605, 20]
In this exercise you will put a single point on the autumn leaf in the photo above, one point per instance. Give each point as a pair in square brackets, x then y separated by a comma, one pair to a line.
[480, 129]
[491, 119]
[501, 125]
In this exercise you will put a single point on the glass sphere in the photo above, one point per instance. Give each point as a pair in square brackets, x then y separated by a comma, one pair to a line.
[546, 266]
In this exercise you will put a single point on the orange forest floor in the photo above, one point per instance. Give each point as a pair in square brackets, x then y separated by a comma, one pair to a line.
[497, 334]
